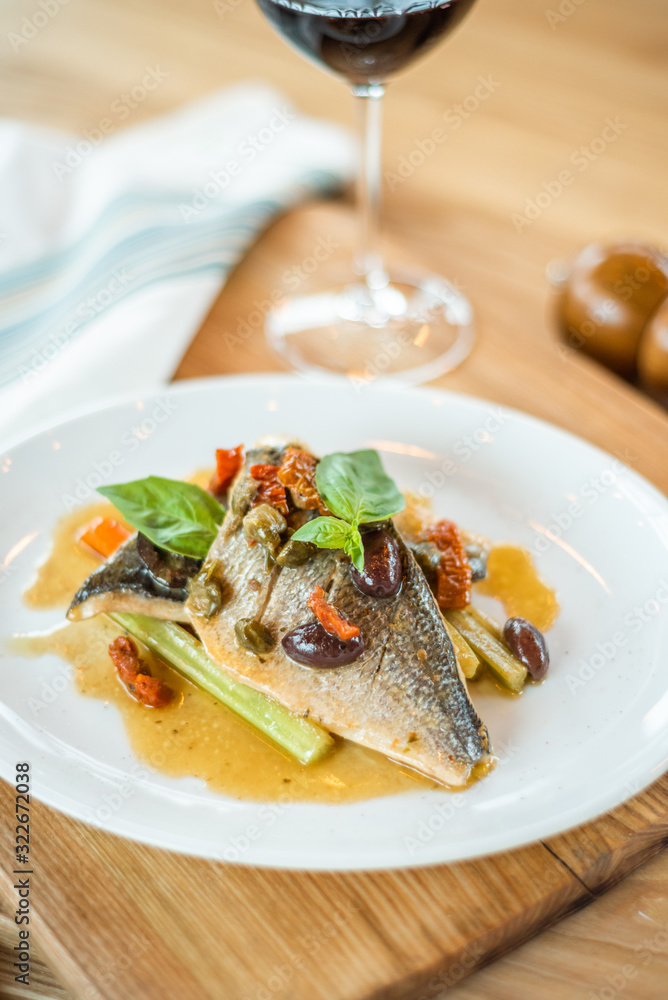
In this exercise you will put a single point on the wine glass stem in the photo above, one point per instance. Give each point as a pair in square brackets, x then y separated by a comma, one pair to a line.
[369, 101]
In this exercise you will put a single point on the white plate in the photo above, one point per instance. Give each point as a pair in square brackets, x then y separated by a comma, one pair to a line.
[592, 735]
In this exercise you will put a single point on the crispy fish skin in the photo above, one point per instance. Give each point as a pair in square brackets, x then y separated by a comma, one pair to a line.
[403, 697]
[123, 583]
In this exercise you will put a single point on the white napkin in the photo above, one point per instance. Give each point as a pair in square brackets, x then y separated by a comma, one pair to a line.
[113, 247]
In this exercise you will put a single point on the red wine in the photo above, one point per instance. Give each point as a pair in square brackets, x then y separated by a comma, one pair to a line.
[365, 44]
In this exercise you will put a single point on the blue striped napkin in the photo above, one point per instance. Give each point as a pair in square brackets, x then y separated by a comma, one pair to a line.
[113, 247]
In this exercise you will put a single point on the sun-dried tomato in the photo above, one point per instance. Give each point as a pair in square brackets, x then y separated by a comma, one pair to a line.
[297, 473]
[228, 463]
[125, 657]
[270, 489]
[331, 619]
[136, 676]
[453, 576]
[152, 691]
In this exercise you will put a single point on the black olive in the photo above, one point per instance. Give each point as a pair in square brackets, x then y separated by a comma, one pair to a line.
[383, 571]
[312, 646]
[527, 644]
[370, 526]
[168, 570]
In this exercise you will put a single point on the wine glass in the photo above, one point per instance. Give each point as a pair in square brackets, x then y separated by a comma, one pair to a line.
[383, 319]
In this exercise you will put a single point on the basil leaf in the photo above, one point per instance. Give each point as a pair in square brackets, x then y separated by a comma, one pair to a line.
[354, 548]
[333, 533]
[325, 532]
[355, 486]
[179, 517]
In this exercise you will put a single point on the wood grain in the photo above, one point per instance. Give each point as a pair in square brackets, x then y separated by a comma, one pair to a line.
[195, 925]
[43, 984]
[617, 947]
[116, 919]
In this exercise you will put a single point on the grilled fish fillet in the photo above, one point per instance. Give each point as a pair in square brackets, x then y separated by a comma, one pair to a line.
[403, 697]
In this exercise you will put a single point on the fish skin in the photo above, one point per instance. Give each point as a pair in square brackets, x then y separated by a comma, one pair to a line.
[124, 584]
[231, 547]
[415, 711]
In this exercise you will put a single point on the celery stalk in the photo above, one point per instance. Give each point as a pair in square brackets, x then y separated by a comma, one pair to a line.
[301, 738]
[487, 622]
[466, 658]
[497, 657]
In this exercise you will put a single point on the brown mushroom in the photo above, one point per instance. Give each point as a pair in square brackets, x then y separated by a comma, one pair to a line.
[608, 299]
[653, 355]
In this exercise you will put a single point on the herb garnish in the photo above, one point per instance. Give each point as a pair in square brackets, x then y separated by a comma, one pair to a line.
[356, 489]
[179, 517]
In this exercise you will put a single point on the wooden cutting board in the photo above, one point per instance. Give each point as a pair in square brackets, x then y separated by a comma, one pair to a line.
[117, 919]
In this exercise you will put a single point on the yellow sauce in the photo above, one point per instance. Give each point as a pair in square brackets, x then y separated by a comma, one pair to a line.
[512, 577]
[417, 513]
[69, 562]
[513, 580]
[195, 735]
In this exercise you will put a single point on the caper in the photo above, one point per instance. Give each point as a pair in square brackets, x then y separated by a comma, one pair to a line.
[477, 557]
[243, 494]
[295, 553]
[254, 636]
[264, 524]
[205, 593]
[428, 558]
[206, 598]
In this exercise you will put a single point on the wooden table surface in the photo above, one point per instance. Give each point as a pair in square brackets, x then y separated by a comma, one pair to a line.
[557, 71]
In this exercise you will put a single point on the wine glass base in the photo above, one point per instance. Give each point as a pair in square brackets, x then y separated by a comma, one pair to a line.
[406, 326]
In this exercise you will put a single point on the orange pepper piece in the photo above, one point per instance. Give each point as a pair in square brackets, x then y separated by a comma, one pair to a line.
[104, 535]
